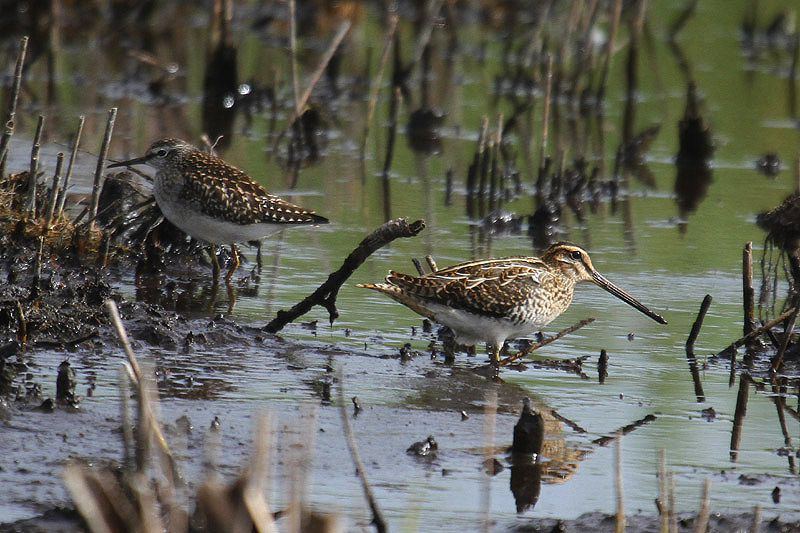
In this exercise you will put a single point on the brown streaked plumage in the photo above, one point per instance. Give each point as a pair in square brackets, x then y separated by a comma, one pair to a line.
[213, 201]
[499, 299]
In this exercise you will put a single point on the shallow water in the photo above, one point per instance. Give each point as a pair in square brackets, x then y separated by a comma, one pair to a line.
[667, 262]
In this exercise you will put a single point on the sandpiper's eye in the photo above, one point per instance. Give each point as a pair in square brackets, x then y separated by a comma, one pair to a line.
[575, 254]
[162, 153]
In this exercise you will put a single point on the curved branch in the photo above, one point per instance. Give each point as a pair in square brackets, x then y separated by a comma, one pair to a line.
[325, 295]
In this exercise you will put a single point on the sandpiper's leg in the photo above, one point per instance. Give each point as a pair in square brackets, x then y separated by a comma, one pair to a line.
[449, 345]
[234, 262]
[495, 354]
[231, 297]
[257, 245]
[212, 253]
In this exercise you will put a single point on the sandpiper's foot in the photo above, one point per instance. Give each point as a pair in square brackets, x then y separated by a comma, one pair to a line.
[495, 360]
[234, 263]
[212, 254]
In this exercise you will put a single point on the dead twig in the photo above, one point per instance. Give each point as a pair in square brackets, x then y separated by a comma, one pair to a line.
[300, 102]
[548, 340]
[119, 327]
[698, 323]
[101, 162]
[619, 526]
[755, 333]
[8, 129]
[326, 294]
[376, 82]
[30, 200]
[777, 360]
[701, 525]
[62, 196]
[624, 430]
[377, 518]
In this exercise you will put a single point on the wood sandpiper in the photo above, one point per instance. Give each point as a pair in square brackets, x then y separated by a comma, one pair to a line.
[499, 299]
[213, 201]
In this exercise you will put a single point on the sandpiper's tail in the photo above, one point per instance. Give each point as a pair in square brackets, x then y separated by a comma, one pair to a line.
[317, 219]
[380, 287]
[397, 294]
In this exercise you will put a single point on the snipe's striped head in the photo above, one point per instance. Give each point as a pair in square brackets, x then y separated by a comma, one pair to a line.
[574, 263]
[161, 155]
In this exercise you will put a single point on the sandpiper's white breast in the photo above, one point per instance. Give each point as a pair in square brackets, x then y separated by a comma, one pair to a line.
[189, 218]
[472, 328]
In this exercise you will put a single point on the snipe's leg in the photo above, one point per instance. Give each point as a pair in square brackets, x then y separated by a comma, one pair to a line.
[231, 296]
[212, 253]
[234, 263]
[495, 355]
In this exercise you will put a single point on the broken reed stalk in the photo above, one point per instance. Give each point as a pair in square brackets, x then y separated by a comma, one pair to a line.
[602, 367]
[475, 166]
[662, 492]
[418, 266]
[376, 82]
[8, 129]
[608, 51]
[545, 341]
[256, 481]
[395, 103]
[545, 121]
[119, 327]
[300, 100]
[698, 323]
[326, 294]
[22, 327]
[777, 360]
[756, 527]
[101, 162]
[377, 517]
[125, 417]
[681, 20]
[431, 263]
[747, 288]
[51, 208]
[37, 273]
[739, 414]
[495, 181]
[701, 523]
[755, 333]
[489, 427]
[673, 516]
[293, 56]
[425, 33]
[30, 200]
[341, 32]
[486, 158]
[62, 196]
[624, 430]
[619, 525]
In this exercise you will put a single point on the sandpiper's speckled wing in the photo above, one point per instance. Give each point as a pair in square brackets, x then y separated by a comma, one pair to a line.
[224, 192]
[493, 287]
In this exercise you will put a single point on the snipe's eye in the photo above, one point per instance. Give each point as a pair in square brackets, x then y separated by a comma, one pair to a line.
[162, 153]
[575, 254]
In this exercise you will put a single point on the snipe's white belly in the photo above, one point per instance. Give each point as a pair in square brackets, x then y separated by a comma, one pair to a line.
[202, 227]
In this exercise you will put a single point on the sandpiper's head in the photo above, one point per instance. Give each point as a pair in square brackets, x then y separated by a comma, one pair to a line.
[574, 263]
[161, 154]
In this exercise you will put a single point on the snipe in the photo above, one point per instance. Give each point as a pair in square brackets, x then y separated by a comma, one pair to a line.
[494, 300]
[213, 201]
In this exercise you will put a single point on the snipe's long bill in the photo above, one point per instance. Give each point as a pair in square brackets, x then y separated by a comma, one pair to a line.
[214, 201]
[495, 300]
